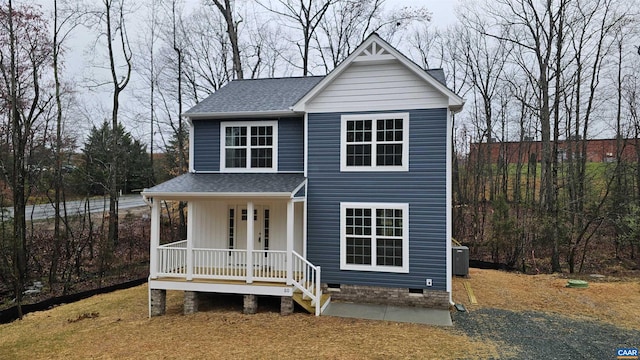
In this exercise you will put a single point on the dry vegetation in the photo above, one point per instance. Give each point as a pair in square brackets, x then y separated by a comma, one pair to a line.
[116, 325]
[609, 299]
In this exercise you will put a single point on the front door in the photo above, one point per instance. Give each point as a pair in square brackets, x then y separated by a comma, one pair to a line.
[260, 227]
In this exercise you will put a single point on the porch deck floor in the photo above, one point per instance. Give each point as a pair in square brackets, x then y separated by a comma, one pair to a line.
[220, 281]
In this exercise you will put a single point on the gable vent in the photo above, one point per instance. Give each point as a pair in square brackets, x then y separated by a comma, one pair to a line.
[374, 52]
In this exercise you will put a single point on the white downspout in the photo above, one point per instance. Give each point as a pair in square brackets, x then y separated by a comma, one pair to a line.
[449, 204]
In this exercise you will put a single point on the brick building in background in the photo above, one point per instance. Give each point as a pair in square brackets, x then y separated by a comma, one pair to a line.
[598, 150]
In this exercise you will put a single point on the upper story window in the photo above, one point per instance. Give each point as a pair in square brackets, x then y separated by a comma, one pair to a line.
[374, 142]
[249, 146]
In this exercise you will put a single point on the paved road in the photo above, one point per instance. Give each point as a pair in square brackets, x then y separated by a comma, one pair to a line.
[45, 211]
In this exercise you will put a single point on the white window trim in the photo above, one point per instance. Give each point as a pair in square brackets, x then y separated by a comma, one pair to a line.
[374, 118]
[405, 237]
[248, 124]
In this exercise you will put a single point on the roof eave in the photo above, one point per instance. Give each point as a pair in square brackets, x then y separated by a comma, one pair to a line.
[241, 114]
[207, 195]
[456, 106]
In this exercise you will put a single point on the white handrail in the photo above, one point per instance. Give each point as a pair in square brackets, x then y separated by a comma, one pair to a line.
[269, 265]
[226, 264]
[176, 244]
[306, 277]
[172, 261]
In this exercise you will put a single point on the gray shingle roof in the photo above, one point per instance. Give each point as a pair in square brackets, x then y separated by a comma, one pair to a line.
[219, 183]
[256, 95]
[438, 74]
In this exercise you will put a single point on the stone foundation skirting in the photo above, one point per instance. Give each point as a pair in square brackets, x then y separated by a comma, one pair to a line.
[286, 305]
[158, 302]
[389, 296]
[250, 304]
[191, 302]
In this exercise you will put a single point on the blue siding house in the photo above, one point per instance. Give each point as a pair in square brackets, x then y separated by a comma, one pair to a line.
[316, 188]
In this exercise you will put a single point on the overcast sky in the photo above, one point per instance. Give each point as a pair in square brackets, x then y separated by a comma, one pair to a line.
[81, 67]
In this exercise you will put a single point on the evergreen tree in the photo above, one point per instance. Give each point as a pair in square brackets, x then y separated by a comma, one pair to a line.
[133, 169]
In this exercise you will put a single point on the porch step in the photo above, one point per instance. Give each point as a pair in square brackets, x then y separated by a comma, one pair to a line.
[306, 303]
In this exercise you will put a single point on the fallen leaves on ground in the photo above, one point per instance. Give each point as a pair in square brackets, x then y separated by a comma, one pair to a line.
[220, 330]
[122, 330]
[614, 302]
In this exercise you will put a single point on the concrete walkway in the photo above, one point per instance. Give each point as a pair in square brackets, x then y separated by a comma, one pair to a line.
[389, 313]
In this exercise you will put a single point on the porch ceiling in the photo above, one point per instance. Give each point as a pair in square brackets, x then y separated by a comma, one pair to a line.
[192, 185]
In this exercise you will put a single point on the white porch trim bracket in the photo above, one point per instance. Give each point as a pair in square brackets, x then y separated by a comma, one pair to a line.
[250, 239]
[290, 230]
[190, 231]
[155, 238]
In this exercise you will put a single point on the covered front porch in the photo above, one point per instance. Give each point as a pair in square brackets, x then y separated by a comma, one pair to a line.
[245, 235]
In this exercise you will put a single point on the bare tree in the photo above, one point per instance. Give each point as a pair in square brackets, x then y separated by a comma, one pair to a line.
[116, 30]
[232, 29]
[557, 81]
[486, 58]
[62, 27]
[343, 28]
[536, 30]
[306, 16]
[110, 21]
[347, 23]
[25, 53]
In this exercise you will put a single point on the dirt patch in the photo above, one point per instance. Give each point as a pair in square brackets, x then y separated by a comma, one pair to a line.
[610, 300]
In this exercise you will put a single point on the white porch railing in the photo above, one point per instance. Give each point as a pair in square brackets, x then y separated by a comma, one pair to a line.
[226, 264]
[231, 264]
[306, 277]
[223, 264]
[172, 259]
[182, 244]
[270, 265]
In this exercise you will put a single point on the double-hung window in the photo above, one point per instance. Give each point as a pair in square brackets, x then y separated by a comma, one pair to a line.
[374, 142]
[249, 146]
[374, 237]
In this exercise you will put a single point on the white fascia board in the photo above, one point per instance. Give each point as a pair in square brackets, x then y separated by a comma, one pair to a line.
[295, 191]
[306, 144]
[146, 199]
[191, 145]
[206, 195]
[241, 114]
[179, 284]
[449, 205]
[455, 101]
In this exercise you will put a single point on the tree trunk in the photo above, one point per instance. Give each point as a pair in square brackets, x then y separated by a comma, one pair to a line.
[18, 134]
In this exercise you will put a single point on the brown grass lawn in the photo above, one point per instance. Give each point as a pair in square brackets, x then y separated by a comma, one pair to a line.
[615, 301]
[116, 326]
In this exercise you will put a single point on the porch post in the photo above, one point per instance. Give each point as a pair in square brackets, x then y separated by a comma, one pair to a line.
[290, 220]
[155, 238]
[304, 226]
[190, 230]
[250, 242]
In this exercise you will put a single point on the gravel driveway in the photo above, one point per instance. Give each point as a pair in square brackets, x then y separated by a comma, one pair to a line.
[536, 335]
